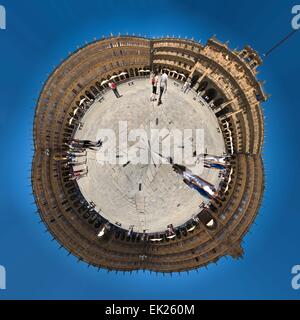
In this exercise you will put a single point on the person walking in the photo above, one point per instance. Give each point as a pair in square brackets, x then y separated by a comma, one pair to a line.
[154, 82]
[113, 86]
[163, 86]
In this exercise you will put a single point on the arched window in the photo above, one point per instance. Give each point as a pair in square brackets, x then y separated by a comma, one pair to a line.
[194, 80]
[208, 220]
[219, 102]
[94, 90]
[117, 234]
[98, 85]
[210, 95]
[203, 86]
[116, 78]
[89, 95]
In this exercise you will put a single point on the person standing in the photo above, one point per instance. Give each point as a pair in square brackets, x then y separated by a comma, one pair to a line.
[186, 87]
[154, 82]
[95, 146]
[86, 144]
[163, 86]
[78, 174]
[113, 86]
[75, 163]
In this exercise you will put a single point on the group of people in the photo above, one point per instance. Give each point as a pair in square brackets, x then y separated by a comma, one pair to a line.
[83, 145]
[205, 188]
[214, 162]
[72, 160]
[155, 80]
[162, 82]
[75, 158]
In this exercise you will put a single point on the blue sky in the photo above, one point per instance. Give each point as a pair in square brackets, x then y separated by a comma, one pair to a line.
[39, 34]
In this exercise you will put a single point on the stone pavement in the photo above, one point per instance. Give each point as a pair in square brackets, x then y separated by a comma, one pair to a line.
[144, 196]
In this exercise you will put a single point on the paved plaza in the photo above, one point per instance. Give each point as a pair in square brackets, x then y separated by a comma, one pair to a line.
[147, 197]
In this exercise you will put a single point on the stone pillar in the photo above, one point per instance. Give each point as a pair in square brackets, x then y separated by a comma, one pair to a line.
[203, 76]
[152, 53]
[197, 85]
[225, 104]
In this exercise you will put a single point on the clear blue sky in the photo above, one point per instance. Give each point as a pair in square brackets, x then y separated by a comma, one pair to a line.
[38, 35]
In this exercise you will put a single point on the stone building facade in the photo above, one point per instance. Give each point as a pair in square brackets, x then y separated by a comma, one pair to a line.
[228, 80]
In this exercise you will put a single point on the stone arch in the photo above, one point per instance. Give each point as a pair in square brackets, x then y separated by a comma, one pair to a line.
[203, 85]
[98, 86]
[194, 80]
[116, 79]
[127, 75]
[208, 220]
[210, 95]
[219, 102]
[89, 95]
[82, 97]
[94, 90]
